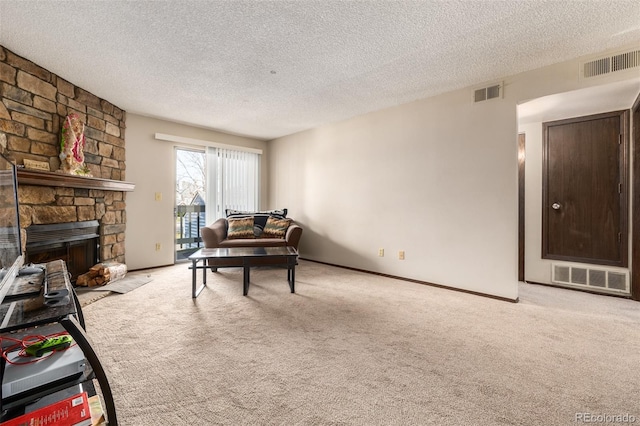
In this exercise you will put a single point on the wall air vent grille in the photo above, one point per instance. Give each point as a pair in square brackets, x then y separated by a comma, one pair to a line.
[486, 93]
[625, 61]
[597, 67]
[620, 62]
[593, 278]
[617, 281]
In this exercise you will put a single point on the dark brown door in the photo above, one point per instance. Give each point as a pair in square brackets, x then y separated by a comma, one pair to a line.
[584, 189]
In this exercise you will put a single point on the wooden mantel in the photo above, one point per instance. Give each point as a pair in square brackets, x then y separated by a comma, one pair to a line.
[42, 178]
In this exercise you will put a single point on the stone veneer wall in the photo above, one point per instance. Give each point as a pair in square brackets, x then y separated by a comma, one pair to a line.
[33, 106]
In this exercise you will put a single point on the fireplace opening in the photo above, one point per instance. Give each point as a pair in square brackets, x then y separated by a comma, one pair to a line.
[76, 243]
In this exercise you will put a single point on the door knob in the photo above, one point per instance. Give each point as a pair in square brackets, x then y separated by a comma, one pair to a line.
[556, 206]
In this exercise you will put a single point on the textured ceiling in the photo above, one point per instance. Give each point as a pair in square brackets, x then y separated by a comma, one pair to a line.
[270, 68]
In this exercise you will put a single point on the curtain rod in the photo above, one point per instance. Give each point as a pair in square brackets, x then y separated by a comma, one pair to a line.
[202, 142]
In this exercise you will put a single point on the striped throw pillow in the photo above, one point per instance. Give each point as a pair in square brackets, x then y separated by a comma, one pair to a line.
[240, 228]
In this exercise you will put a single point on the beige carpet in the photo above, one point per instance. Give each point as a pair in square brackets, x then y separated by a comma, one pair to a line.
[351, 348]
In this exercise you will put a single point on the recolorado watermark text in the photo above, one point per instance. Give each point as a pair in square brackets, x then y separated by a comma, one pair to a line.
[603, 418]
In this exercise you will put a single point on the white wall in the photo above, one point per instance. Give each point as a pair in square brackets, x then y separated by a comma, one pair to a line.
[436, 178]
[536, 269]
[150, 165]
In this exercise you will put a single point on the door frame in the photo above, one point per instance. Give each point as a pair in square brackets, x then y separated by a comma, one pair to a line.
[635, 202]
[521, 204]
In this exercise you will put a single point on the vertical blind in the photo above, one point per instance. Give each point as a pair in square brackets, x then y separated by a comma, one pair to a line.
[233, 181]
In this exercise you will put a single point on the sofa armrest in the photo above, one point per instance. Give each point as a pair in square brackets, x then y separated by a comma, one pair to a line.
[214, 234]
[292, 237]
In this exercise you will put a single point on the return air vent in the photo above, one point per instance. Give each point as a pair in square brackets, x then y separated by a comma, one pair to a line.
[609, 64]
[592, 278]
[487, 93]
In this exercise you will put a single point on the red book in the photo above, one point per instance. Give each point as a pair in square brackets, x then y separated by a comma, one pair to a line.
[73, 411]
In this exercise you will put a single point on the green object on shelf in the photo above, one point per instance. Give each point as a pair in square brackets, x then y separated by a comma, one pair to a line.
[47, 345]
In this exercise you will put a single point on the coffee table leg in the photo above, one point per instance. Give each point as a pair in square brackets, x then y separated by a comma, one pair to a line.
[194, 292]
[291, 275]
[245, 281]
[193, 279]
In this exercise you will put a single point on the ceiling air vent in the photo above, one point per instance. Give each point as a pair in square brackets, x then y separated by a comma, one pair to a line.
[620, 62]
[487, 93]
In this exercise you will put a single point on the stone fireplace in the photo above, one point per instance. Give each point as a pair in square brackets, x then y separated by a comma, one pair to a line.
[33, 105]
[65, 207]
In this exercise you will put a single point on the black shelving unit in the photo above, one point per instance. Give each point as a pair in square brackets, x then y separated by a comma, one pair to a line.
[28, 314]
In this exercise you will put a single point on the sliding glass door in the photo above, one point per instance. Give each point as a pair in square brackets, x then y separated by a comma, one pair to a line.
[208, 183]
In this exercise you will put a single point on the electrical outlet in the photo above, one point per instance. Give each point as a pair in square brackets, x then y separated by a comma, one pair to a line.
[158, 246]
[381, 252]
[158, 196]
[401, 255]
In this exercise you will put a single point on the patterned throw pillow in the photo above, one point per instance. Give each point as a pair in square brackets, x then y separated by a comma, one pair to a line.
[275, 228]
[240, 228]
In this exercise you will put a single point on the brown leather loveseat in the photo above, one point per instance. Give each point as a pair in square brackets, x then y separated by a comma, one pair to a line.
[252, 229]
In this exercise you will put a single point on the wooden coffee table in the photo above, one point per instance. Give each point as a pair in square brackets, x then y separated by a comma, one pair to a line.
[246, 257]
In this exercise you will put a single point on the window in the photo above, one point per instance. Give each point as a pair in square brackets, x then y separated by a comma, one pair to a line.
[189, 200]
